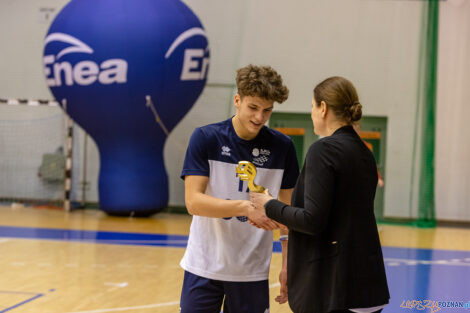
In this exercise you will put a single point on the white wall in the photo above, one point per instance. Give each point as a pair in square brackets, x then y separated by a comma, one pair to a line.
[22, 33]
[453, 112]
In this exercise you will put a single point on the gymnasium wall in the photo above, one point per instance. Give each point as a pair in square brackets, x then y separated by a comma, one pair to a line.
[453, 112]
[375, 43]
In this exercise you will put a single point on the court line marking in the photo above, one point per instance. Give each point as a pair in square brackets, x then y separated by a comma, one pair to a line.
[22, 303]
[148, 306]
[121, 285]
[105, 237]
[274, 285]
[93, 237]
[116, 286]
[143, 243]
[397, 262]
[137, 242]
[3, 240]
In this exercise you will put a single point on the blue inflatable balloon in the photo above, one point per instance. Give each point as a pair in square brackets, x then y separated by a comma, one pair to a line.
[106, 57]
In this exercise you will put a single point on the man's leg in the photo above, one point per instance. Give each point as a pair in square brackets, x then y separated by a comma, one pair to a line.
[246, 297]
[201, 295]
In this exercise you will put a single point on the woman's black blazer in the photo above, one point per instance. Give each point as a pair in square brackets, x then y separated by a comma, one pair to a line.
[334, 255]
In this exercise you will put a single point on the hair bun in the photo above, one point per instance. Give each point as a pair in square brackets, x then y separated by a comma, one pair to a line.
[355, 111]
[341, 97]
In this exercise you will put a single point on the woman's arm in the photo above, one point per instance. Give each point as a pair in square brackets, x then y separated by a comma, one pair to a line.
[318, 186]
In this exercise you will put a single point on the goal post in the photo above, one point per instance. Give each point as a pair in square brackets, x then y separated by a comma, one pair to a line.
[36, 140]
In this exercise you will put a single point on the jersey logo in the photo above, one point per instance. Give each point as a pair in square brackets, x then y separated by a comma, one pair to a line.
[225, 150]
[261, 156]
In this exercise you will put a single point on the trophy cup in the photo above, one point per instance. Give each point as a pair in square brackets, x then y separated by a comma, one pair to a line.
[247, 172]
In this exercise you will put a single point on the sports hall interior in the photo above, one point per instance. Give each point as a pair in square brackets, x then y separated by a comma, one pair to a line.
[60, 253]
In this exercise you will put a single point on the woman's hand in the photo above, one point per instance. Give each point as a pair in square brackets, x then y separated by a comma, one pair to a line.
[282, 297]
[258, 217]
[260, 199]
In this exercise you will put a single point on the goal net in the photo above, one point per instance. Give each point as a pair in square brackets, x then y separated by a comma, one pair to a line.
[32, 154]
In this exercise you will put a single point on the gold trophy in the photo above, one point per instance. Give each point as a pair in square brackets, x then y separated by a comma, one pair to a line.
[247, 172]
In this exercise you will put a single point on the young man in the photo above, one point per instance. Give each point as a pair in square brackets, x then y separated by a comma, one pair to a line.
[227, 259]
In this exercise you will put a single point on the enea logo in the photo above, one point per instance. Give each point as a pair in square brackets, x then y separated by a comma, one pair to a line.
[194, 59]
[195, 62]
[83, 73]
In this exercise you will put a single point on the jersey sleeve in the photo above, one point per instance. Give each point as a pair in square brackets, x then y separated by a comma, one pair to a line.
[291, 169]
[196, 161]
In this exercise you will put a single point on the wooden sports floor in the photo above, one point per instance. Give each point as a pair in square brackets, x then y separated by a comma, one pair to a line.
[87, 262]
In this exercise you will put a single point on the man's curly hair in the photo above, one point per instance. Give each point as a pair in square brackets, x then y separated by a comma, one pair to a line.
[261, 81]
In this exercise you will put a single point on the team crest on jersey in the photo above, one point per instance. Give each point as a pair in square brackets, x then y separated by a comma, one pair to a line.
[261, 156]
[225, 150]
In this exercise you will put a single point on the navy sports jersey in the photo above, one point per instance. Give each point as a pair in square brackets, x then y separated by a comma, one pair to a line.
[231, 249]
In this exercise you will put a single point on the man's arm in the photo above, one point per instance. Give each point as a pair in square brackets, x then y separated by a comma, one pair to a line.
[198, 203]
[284, 196]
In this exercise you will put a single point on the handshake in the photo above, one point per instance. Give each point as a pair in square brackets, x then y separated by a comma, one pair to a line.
[256, 212]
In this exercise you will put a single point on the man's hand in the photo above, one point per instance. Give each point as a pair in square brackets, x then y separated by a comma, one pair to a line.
[282, 297]
[258, 218]
[259, 200]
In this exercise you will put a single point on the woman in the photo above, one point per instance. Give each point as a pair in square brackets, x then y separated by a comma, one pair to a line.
[335, 261]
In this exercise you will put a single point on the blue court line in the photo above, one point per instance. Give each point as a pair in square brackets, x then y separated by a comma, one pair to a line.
[162, 240]
[36, 296]
[104, 237]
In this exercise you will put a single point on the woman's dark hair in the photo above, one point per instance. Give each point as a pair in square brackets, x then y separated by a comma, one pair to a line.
[340, 95]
